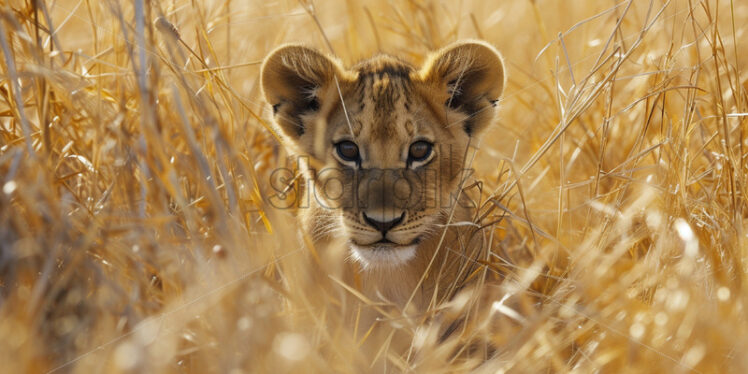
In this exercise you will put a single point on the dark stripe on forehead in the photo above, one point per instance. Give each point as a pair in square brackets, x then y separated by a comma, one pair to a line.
[382, 91]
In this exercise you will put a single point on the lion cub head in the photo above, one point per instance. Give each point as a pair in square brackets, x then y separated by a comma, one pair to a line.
[385, 141]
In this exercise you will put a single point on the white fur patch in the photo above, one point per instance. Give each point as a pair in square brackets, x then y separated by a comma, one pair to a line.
[382, 257]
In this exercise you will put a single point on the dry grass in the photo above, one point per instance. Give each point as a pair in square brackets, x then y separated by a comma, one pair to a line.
[135, 161]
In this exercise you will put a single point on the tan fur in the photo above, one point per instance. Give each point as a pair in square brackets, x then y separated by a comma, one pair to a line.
[384, 105]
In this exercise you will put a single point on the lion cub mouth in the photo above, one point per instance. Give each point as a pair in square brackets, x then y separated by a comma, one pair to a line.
[383, 254]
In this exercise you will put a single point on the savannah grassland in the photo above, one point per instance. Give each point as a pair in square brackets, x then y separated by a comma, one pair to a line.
[136, 156]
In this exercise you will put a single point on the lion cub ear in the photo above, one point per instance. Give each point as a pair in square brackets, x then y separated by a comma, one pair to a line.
[292, 78]
[470, 77]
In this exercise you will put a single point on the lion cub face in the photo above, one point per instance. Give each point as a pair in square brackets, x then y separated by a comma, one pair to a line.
[386, 142]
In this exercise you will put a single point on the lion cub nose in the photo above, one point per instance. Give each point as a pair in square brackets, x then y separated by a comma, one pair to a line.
[381, 226]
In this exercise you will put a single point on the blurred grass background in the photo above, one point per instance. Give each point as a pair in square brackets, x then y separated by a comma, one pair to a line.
[135, 160]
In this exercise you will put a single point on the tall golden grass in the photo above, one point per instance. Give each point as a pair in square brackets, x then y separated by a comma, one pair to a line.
[136, 154]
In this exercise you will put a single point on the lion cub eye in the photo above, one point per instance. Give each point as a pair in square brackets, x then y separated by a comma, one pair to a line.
[348, 151]
[419, 151]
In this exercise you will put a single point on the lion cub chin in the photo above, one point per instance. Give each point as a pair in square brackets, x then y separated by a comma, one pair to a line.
[384, 256]
[382, 148]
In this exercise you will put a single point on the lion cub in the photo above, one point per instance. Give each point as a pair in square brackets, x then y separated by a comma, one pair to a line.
[386, 145]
